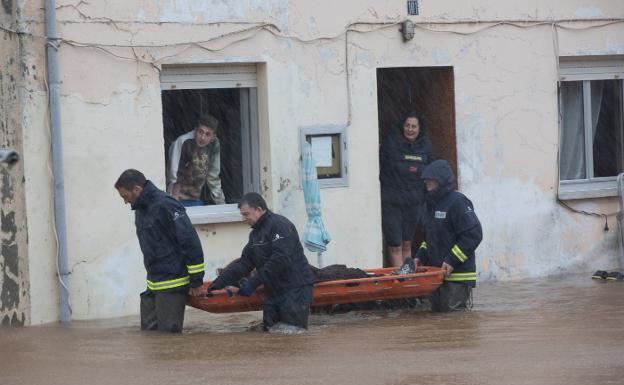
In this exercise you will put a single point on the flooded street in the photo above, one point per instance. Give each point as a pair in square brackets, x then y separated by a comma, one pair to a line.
[550, 331]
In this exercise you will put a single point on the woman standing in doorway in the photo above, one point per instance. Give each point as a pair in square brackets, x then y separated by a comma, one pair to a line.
[403, 156]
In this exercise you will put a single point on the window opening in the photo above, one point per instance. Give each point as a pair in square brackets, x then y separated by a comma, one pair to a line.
[192, 96]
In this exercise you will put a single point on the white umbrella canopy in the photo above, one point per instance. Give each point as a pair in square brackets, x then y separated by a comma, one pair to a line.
[315, 236]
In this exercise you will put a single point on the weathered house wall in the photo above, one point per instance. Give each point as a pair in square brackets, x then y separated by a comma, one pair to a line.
[311, 72]
[14, 299]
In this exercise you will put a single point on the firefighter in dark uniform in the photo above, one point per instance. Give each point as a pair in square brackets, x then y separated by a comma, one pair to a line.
[403, 156]
[452, 233]
[172, 252]
[275, 251]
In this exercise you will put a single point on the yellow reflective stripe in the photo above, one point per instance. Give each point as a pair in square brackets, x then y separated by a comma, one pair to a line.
[451, 279]
[423, 245]
[462, 277]
[459, 254]
[192, 269]
[169, 284]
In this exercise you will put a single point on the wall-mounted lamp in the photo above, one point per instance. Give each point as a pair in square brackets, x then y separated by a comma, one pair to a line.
[8, 155]
[407, 30]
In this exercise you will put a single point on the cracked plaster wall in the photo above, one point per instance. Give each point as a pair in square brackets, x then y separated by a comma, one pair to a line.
[505, 87]
[14, 289]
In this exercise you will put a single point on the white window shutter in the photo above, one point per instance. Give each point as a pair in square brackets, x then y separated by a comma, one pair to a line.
[235, 75]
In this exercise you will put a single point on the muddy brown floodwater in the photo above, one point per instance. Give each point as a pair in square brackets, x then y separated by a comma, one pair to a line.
[551, 331]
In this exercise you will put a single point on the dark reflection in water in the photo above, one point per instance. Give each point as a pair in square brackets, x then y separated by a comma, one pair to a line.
[551, 331]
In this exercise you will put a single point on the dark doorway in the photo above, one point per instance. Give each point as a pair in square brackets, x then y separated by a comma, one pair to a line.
[428, 90]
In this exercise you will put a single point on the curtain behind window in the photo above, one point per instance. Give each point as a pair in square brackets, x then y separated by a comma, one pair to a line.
[572, 147]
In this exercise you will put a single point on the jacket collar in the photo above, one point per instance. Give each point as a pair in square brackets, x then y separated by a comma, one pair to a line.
[262, 219]
[402, 139]
[147, 196]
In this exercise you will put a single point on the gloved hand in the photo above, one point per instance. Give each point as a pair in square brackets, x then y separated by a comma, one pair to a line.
[215, 285]
[448, 268]
[408, 267]
[247, 288]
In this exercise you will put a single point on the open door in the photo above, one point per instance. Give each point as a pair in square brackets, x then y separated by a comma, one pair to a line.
[428, 90]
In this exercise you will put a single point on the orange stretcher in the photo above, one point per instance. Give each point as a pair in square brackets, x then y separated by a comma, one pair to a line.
[377, 287]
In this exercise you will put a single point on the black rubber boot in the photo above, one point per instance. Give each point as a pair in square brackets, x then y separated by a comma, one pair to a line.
[600, 274]
[615, 276]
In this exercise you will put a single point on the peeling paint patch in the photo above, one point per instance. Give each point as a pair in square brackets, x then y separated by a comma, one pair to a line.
[10, 288]
[328, 54]
[219, 10]
[265, 186]
[141, 15]
[16, 74]
[7, 186]
[283, 184]
[8, 6]
[14, 321]
[588, 12]
[469, 156]
[440, 56]
[11, 262]
[366, 59]
[614, 47]
[8, 225]
[313, 26]
[9, 293]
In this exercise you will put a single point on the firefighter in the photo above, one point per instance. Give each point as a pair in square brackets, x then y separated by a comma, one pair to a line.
[452, 233]
[275, 251]
[172, 252]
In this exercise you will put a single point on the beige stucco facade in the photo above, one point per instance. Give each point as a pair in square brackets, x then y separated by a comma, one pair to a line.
[505, 72]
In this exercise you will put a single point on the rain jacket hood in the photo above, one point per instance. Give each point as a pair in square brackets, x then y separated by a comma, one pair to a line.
[440, 171]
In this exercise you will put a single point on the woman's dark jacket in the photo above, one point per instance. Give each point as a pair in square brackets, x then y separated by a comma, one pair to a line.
[401, 165]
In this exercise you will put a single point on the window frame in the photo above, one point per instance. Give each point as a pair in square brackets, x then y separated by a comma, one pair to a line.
[214, 76]
[329, 129]
[586, 69]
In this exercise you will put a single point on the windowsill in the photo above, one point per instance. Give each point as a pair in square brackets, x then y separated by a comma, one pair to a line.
[201, 215]
[586, 189]
[333, 182]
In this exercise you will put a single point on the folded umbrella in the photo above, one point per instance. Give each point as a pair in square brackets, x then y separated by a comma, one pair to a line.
[315, 236]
